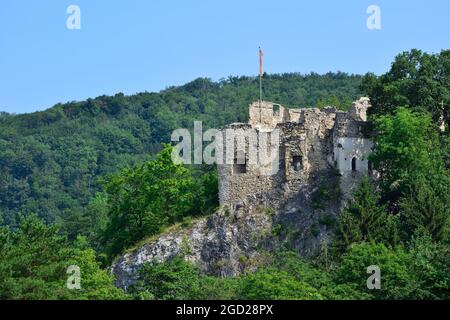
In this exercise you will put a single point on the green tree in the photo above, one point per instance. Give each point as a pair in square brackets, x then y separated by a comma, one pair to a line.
[143, 200]
[96, 283]
[273, 284]
[416, 79]
[178, 279]
[406, 148]
[431, 265]
[175, 279]
[315, 276]
[34, 260]
[426, 205]
[397, 279]
[365, 219]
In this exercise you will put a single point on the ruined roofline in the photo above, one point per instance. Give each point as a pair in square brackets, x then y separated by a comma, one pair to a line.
[308, 143]
[267, 114]
[269, 105]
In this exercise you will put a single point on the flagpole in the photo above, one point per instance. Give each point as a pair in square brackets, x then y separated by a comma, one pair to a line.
[260, 76]
[260, 89]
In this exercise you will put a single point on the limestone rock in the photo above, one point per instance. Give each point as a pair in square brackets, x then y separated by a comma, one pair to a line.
[262, 208]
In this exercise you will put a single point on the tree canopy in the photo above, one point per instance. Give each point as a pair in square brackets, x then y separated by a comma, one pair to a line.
[83, 181]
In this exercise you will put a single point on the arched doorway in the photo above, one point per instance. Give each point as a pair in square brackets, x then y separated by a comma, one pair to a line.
[354, 164]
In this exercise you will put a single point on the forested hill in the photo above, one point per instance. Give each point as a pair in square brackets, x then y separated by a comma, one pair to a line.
[51, 162]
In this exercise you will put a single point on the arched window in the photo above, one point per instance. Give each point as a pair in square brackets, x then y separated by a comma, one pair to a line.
[354, 164]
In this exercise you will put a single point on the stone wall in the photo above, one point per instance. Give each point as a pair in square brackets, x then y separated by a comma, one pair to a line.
[264, 114]
[314, 148]
[310, 141]
[245, 172]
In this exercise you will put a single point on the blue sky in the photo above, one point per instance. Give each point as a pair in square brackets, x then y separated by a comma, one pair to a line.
[142, 45]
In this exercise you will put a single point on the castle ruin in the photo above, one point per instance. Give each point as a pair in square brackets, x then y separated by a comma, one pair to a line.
[269, 199]
[310, 142]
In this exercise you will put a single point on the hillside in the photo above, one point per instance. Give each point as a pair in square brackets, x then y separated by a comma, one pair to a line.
[51, 162]
[156, 224]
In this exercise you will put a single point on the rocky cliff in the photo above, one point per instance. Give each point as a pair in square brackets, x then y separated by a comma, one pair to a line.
[320, 157]
[218, 244]
[236, 238]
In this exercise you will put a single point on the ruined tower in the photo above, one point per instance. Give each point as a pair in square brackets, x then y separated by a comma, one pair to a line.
[287, 149]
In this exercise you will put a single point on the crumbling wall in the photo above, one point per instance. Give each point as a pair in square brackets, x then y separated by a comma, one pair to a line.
[245, 172]
[271, 202]
[305, 148]
[264, 114]
[351, 146]
[351, 154]
[358, 110]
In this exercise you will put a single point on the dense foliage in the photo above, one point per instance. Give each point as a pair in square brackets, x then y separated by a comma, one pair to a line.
[143, 200]
[420, 271]
[418, 80]
[92, 173]
[34, 260]
[51, 161]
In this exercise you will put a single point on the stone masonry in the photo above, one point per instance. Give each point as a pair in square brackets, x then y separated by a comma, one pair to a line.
[309, 141]
[282, 195]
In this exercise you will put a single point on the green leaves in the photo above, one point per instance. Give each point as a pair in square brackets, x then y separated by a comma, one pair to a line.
[397, 279]
[420, 271]
[144, 200]
[34, 260]
[406, 148]
[275, 284]
[417, 80]
[414, 180]
[177, 279]
[364, 219]
[426, 206]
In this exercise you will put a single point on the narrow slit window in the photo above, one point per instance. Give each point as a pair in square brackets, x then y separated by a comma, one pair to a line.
[276, 110]
[239, 167]
[354, 164]
[297, 163]
[269, 142]
[281, 164]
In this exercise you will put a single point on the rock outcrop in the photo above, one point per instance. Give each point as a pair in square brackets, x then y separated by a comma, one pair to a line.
[218, 244]
[320, 155]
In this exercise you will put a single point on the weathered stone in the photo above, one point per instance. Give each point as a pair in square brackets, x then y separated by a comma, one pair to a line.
[215, 244]
[310, 140]
[316, 149]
